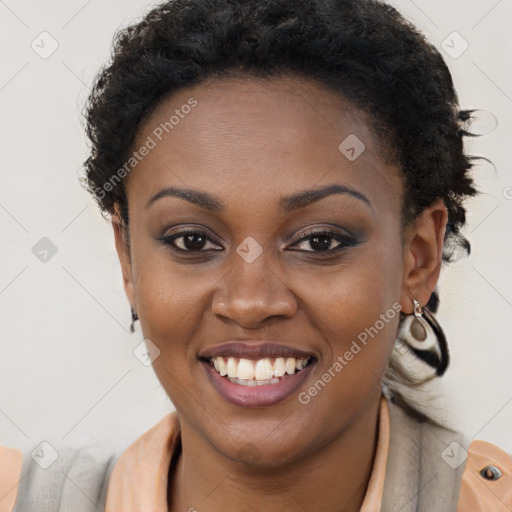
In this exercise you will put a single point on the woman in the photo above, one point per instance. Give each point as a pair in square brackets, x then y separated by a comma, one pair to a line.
[284, 180]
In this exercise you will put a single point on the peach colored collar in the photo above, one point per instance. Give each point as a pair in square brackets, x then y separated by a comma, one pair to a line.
[139, 479]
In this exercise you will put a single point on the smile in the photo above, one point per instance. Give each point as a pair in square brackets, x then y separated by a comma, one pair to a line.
[256, 374]
[261, 372]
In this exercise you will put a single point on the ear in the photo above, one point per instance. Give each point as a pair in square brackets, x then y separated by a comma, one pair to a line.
[423, 250]
[123, 252]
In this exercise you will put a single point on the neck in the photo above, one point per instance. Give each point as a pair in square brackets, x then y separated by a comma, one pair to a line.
[334, 477]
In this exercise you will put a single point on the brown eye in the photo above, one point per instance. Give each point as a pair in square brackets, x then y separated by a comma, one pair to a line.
[193, 242]
[323, 240]
[190, 241]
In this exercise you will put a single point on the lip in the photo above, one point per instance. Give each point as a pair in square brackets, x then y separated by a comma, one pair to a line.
[251, 350]
[256, 396]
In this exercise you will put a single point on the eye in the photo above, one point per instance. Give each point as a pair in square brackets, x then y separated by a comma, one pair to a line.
[322, 240]
[190, 240]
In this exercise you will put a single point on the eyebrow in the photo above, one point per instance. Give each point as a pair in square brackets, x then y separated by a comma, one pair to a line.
[306, 197]
[203, 199]
[288, 203]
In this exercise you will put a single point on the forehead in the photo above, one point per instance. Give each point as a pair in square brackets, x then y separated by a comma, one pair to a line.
[238, 135]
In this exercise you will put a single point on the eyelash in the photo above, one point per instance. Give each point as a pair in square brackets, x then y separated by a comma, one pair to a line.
[344, 239]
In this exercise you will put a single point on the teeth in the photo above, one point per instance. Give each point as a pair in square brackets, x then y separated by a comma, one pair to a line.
[232, 368]
[242, 382]
[223, 367]
[245, 369]
[257, 373]
[279, 367]
[290, 366]
[264, 369]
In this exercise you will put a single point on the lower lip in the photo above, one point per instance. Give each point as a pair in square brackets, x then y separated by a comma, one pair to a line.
[256, 396]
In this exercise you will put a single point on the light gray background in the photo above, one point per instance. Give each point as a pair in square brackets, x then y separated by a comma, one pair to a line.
[67, 371]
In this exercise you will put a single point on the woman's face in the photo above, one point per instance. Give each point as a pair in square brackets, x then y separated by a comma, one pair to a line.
[292, 252]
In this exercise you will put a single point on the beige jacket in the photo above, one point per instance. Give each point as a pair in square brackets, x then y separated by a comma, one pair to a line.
[425, 468]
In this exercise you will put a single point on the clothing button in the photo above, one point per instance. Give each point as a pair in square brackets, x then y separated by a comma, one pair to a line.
[490, 473]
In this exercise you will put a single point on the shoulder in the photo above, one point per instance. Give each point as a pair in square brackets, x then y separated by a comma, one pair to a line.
[434, 468]
[54, 479]
[487, 479]
[11, 460]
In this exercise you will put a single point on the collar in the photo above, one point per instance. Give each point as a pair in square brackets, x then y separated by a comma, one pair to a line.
[139, 477]
[419, 477]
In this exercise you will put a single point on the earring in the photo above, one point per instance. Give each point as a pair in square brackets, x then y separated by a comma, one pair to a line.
[134, 319]
[415, 333]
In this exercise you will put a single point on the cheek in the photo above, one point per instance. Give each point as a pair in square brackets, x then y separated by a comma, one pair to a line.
[172, 307]
[356, 308]
[357, 315]
[172, 300]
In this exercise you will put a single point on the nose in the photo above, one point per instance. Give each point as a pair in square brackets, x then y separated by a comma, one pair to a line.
[250, 293]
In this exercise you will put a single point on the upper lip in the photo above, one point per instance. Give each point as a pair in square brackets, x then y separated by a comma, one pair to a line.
[252, 350]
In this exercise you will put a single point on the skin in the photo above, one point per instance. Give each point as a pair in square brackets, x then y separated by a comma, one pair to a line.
[250, 142]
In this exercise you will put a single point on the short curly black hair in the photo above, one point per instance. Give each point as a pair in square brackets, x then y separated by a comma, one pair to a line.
[363, 49]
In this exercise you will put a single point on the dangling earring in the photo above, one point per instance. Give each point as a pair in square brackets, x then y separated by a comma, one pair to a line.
[414, 332]
[134, 319]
